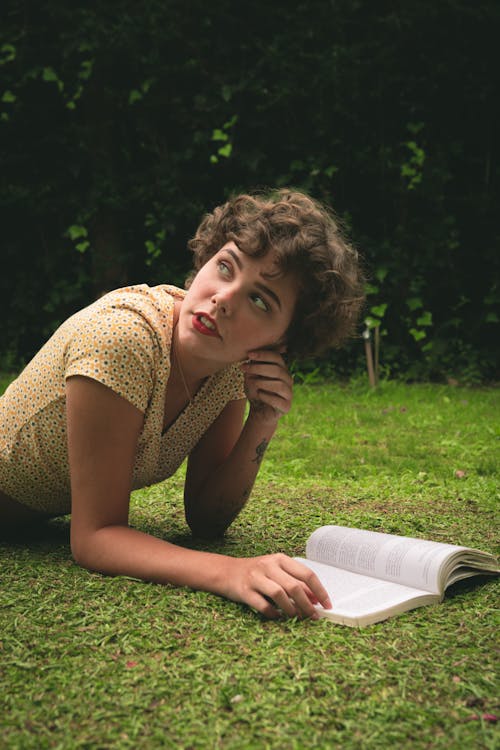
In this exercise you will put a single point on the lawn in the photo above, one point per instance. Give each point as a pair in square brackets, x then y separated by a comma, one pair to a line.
[93, 662]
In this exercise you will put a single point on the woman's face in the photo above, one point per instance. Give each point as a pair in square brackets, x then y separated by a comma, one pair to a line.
[234, 306]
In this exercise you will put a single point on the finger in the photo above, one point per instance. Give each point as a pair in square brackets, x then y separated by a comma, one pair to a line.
[284, 583]
[293, 596]
[274, 591]
[287, 592]
[271, 356]
[274, 400]
[281, 399]
[281, 385]
[272, 379]
[270, 385]
[264, 605]
[304, 600]
[273, 385]
[303, 573]
[269, 370]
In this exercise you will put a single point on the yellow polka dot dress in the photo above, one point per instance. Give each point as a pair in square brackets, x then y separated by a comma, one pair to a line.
[122, 340]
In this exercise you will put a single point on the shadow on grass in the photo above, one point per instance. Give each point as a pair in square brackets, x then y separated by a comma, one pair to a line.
[51, 535]
[53, 532]
[468, 585]
[225, 545]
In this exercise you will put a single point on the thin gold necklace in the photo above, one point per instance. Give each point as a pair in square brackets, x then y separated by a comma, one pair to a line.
[179, 367]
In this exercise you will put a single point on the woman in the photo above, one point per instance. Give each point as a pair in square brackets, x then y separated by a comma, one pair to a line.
[131, 385]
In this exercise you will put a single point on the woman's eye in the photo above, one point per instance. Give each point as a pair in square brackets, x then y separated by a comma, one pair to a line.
[224, 268]
[260, 303]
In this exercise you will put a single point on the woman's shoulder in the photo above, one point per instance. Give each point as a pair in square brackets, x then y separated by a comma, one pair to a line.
[142, 297]
[148, 307]
[122, 326]
[123, 340]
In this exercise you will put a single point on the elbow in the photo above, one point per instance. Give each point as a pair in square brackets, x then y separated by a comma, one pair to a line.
[206, 522]
[207, 533]
[79, 554]
[203, 529]
[82, 551]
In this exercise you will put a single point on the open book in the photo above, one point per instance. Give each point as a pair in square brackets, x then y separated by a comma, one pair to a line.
[371, 576]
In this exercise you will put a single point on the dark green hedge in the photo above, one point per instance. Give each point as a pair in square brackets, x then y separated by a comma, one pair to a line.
[122, 122]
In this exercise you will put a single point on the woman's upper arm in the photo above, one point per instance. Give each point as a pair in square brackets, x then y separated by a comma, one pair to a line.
[103, 430]
[215, 445]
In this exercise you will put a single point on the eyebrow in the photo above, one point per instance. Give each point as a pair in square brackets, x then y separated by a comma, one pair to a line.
[258, 284]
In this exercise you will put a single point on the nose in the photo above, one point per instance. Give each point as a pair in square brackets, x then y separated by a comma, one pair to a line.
[225, 300]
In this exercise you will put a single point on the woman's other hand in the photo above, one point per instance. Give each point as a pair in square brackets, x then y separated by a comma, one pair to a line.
[268, 384]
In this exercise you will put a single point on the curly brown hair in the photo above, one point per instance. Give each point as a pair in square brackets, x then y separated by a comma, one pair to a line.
[308, 242]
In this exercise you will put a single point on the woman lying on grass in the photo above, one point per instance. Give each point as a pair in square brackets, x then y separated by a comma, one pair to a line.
[145, 376]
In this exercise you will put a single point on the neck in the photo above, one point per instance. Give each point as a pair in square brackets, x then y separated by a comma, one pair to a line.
[194, 369]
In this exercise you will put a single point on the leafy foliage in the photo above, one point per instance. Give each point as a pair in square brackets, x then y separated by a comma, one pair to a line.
[129, 122]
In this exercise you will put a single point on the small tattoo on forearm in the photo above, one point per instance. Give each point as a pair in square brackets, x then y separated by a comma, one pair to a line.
[259, 451]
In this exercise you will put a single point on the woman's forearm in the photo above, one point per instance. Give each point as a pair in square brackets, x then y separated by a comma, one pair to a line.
[121, 550]
[270, 584]
[212, 504]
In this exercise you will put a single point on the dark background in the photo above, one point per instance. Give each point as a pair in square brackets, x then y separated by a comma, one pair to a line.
[121, 123]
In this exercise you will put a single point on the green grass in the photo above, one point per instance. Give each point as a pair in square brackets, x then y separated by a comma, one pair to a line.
[93, 662]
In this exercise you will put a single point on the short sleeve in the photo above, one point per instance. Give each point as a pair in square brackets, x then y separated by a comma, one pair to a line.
[234, 383]
[117, 347]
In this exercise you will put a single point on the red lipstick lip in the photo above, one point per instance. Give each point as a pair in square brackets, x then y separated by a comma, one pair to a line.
[202, 328]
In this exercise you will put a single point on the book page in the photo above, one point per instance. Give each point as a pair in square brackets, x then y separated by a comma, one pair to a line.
[362, 600]
[404, 560]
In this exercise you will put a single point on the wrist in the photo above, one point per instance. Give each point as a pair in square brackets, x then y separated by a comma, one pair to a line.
[222, 574]
[264, 416]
